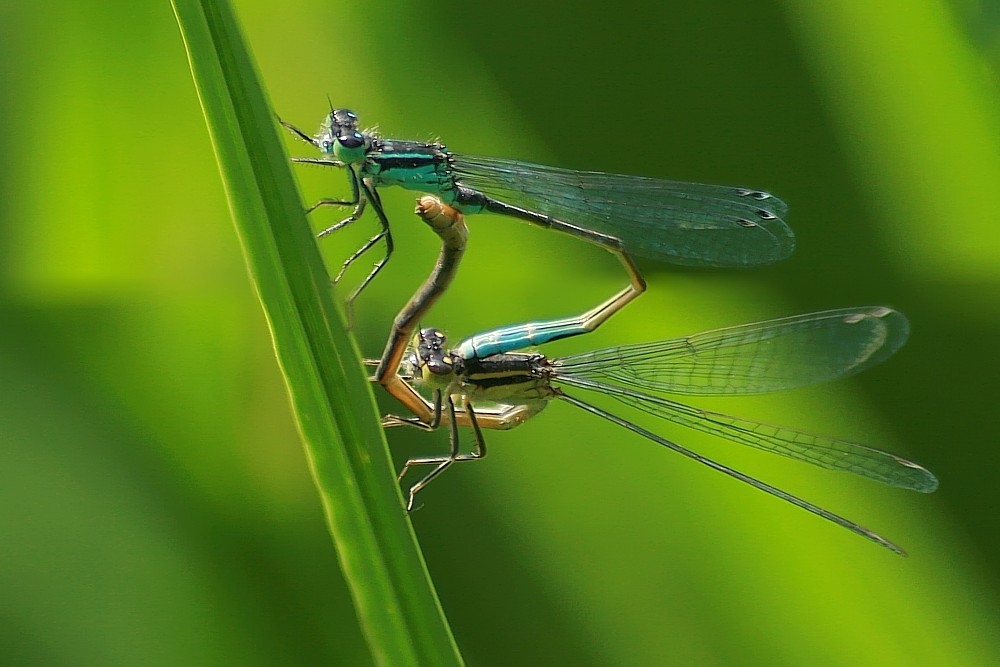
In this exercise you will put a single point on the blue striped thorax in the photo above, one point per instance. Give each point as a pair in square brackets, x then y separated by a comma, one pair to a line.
[514, 377]
[413, 165]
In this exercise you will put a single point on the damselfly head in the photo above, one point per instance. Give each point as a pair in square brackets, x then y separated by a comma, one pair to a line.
[339, 136]
[435, 364]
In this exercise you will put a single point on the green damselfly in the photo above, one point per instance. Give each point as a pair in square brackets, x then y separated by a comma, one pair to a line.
[682, 223]
[752, 358]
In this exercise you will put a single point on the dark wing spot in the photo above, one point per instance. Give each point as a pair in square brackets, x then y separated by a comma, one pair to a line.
[759, 195]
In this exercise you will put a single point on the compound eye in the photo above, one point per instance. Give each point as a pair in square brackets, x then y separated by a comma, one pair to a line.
[351, 140]
[432, 337]
[350, 147]
[440, 365]
[345, 117]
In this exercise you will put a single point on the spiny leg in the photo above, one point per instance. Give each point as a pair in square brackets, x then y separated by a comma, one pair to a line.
[358, 253]
[357, 201]
[296, 131]
[442, 463]
[371, 194]
[416, 422]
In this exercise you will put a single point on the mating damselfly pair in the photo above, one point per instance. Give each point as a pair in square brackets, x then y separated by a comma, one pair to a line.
[488, 381]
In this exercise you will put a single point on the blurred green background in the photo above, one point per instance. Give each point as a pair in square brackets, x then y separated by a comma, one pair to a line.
[156, 507]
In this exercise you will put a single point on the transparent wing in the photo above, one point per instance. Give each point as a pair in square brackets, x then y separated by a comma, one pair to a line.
[751, 358]
[818, 450]
[683, 223]
[747, 479]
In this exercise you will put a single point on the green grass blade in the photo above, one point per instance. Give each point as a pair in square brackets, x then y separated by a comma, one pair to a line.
[396, 603]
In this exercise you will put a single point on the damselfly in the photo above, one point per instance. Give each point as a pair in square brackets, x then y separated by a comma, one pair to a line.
[751, 358]
[683, 223]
